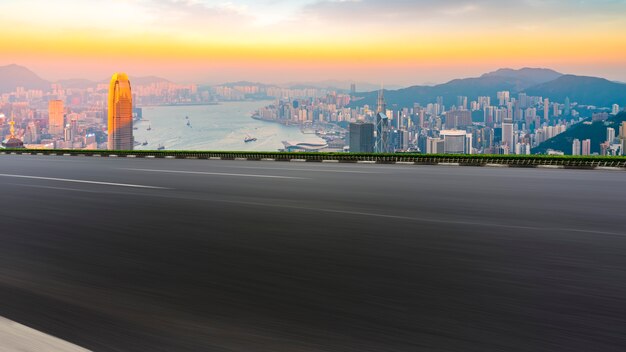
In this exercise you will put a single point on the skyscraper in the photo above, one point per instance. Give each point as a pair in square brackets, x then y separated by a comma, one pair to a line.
[615, 109]
[361, 137]
[546, 109]
[610, 135]
[576, 147]
[55, 117]
[382, 125]
[508, 133]
[381, 105]
[586, 150]
[120, 113]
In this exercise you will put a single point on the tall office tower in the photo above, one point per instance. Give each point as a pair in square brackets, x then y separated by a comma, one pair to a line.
[422, 118]
[610, 135]
[353, 89]
[382, 125]
[568, 107]
[557, 110]
[456, 142]
[522, 100]
[507, 133]
[546, 109]
[381, 144]
[55, 117]
[576, 147]
[489, 116]
[381, 106]
[586, 149]
[458, 119]
[361, 137]
[461, 102]
[503, 97]
[120, 113]
[615, 109]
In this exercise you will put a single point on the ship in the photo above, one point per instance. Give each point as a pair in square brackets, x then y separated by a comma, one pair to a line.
[249, 139]
[149, 128]
[144, 143]
[161, 147]
[188, 123]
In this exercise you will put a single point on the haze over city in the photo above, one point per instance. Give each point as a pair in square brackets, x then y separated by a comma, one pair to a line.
[396, 41]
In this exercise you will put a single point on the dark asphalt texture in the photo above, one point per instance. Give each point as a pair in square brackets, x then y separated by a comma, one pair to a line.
[317, 257]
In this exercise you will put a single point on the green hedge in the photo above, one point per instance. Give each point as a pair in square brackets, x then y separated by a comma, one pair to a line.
[323, 155]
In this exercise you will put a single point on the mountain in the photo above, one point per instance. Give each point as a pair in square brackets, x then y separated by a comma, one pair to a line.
[584, 90]
[13, 76]
[525, 77]
[485, 85]
[595, 131]
[338, 85]
[77, 83]
[147, 80]
[245, 83]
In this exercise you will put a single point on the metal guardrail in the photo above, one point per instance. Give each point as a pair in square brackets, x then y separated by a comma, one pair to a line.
[578, 162]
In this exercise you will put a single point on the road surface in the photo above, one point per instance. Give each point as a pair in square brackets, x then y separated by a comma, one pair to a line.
[116, 254]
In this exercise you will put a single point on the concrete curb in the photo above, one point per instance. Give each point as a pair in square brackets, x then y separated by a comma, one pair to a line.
[530, 163]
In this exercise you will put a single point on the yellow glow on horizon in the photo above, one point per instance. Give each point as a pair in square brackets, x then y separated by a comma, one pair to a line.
[443, 49]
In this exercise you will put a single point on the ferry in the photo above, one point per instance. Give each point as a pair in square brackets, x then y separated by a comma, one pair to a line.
[161, 147]
[149, 128]
[144, 143]
[249, 139]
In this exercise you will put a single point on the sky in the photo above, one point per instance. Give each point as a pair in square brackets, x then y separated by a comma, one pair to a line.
[400, 42]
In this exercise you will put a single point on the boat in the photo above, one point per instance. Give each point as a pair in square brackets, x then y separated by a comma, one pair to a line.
[149, 128]
[188, 123]
[144, 143]
[161, 147]
[186, 117]
[249, 139]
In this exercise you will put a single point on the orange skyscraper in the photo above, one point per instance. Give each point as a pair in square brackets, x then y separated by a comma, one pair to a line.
[55, 117]
[120, 113]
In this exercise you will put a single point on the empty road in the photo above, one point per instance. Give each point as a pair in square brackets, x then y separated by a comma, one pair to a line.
[116, 254]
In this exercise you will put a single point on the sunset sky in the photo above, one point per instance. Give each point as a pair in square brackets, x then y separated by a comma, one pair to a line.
[395, 41]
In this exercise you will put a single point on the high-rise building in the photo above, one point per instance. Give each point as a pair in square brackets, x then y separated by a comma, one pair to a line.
[586, 149]
[503, 97]
[508, 133]
[56, 121]
[353, 89]
[361, 137]
[458, 119]
[461, 102]
[557, 110]
[576, 147]
[456, 142]
[568, 107]
[546, 109]
[120, 113]
[610, 135]
[381, 106]
[382, 125]
[615, 109]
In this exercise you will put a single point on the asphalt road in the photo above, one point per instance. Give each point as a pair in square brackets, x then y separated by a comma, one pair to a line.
[190, 255]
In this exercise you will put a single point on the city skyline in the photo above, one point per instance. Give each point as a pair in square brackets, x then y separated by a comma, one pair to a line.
[398, 42]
